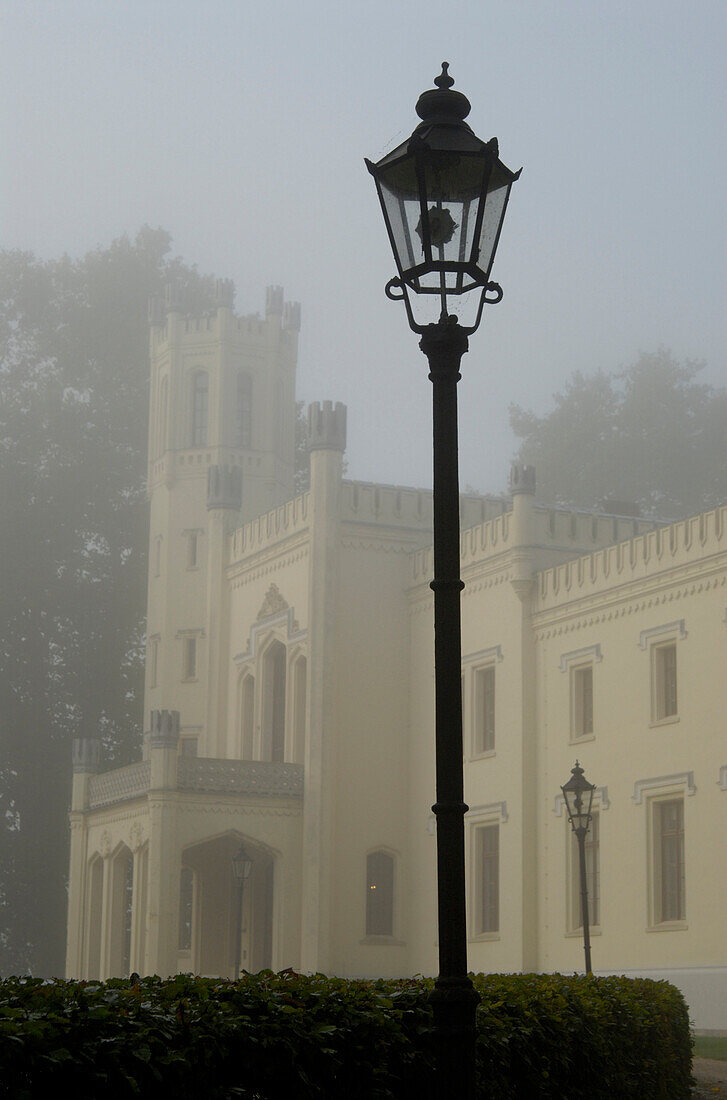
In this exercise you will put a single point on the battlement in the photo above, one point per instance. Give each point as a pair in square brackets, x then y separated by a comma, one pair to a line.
[170, 314]
[401, 506]
[326, 426]
[645, 554]
[266, 530]
[554, 529]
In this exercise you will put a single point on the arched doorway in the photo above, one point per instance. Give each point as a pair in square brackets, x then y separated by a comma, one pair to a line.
[212, 912]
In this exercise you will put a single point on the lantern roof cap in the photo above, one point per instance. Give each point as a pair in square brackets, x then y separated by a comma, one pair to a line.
[441, 102]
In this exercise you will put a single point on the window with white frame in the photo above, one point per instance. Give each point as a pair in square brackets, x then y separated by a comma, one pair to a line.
[189, 657]
[668, 867]
[664, 680]
[200, 403]
[484, 709]
[379, 894]
[487, 879]
[243, 411]
[593, 876]
[154, 659]
[247, 715]
[186, 908]
[192, 556]
[582, 701]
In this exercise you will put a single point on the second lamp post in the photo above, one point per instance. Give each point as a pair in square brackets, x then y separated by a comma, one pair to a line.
[443, 194]
[578, 795]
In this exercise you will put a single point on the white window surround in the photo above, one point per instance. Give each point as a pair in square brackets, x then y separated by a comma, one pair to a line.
[590, 654]
[601, 801]
[494, 811]
[493, 655]
[680, 781]
[673, 630]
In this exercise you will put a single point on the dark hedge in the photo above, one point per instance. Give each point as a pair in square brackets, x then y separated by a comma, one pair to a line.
[272, 1036]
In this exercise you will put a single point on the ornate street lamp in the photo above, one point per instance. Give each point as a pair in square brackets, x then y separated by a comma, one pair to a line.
[241, 868]
[578, 795]
[443, 194]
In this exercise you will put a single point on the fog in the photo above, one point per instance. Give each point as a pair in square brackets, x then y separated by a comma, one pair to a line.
[241, 129]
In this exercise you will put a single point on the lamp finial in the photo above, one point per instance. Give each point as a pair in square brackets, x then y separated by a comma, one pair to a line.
[444, 80]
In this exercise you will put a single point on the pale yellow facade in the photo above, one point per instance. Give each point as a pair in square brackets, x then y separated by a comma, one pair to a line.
[290, 699]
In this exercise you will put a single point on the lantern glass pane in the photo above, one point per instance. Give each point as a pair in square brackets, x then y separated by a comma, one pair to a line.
[402, 211]
[497, 192]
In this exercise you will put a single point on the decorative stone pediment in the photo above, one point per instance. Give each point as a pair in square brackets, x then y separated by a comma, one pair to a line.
[273, 603]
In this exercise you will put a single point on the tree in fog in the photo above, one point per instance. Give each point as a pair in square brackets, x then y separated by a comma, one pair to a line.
[653, 435]
[73, 438]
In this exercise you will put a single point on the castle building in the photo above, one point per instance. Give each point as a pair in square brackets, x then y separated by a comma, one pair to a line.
[290, 708]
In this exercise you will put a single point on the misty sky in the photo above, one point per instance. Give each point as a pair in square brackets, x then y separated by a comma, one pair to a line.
[241, 127]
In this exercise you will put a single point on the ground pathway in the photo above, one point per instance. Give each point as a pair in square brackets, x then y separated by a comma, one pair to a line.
[711, 1078]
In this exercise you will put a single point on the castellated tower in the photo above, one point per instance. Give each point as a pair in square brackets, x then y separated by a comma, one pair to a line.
[221, 451]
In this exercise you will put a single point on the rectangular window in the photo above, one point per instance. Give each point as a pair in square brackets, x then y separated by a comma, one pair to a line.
[186, 908]
[153, 661]
[593, 876]
[244, 410]
[189, 665]
[188, 746]
[664, 672]
[669, 878]
[379, 894]
[487, 879]
[582, 701]
[485, 709]
[191, 550]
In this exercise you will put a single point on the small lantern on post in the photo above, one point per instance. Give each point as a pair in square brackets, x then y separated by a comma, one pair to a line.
[578, 795]
[242, 865]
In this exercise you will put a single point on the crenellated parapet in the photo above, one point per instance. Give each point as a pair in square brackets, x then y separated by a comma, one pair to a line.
[273, 527]
[274, 301]
[326, 426]
[646, 554]
[225, 294]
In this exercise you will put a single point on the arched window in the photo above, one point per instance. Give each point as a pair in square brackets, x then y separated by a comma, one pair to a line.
[247, 716]
[186, 908]
[94, 917]
[200, 400]
[300, 670]
[379, 894]
[122, 877]
[162, 419]
[243, 411]
[273, 711]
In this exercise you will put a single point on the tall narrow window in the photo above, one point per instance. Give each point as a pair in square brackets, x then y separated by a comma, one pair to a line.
[153, 661]
[157, 555]
[664, 671]
[379, 894]
[669, 876]
[243, 418]
[192, 549]
[485, 709]
[162, 420]
[186, 908]
[487, 854]
[301, 672]
[189, 658]
[274, 703]
[582, 701]
[200, 399]
[593, 876]
[247, 716]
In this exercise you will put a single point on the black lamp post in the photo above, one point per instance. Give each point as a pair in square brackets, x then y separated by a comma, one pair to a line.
[443, 194]
[241, 868]
[578, 795]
